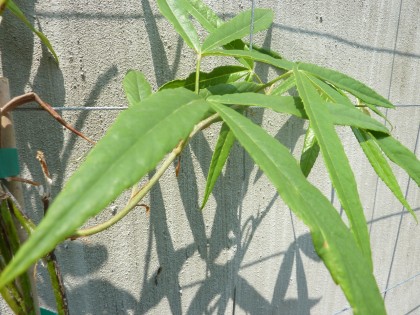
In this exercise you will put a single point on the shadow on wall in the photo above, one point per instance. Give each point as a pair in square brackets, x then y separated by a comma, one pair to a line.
[223, 282]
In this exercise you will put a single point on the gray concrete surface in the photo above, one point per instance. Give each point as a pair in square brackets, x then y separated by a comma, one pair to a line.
[245, 253]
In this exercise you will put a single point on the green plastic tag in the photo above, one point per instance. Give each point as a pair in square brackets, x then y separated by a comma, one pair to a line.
[47, 312]
[9, 163]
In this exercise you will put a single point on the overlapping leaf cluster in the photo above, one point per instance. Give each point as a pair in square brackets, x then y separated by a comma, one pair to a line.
[157, 123]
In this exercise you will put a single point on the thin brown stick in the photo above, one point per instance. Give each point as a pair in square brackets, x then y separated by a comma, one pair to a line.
[33, 97]
[52, 264]
[22, 180]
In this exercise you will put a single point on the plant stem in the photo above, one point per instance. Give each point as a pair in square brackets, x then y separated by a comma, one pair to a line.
[11, 238]
[280, 77]
[197, 74]
[138, 196]
[57, 284]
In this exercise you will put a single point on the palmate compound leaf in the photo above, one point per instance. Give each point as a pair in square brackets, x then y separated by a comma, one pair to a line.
[370, 148]
[336, 160]
[348, 84]
[136, 87]
[332, 240]
[238, 27]
[134, 144]
[340, 114]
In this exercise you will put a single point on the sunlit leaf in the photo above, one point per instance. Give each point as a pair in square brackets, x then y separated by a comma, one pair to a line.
[203, 14]
[218, 160]
[309, 153]
[281, 104]
[237, 28]
[255, 55]
[340, 114]
[348, 84]
[332, 240]
[174, 11]
[136, 87]
[336, 160]
[285, 86]
[399, 154]
[381, 166]
[140, 137]
[351, 116]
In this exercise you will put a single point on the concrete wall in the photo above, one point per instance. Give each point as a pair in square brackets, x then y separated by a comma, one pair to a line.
[245, 253]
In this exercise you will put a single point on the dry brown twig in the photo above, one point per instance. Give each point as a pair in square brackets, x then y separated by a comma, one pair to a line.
[33, 97]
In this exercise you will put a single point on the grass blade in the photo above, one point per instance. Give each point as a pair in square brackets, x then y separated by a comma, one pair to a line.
[332, 240]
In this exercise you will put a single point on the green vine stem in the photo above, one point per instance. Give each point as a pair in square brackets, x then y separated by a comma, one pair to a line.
[139, 195]
[11, 240]
[197, 74]
[57, 284]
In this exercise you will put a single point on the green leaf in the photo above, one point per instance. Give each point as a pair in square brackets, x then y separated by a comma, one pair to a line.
[381, 166]
[330, 92]
[310, 152]
[230, 88]
[376, 110]
[281, 104]
[219, 75]
[351, 116]
[136, 87]
[332, 239]
[203, 14]
[255, 55]
[370, 148]
[174, 11]
[285, 86]
[238, 27]
[348, 84]
[18, 13]
[336, 160]
[210, 21]
[133, 146]
[340, 114]
[218, 160]
[399, 154]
